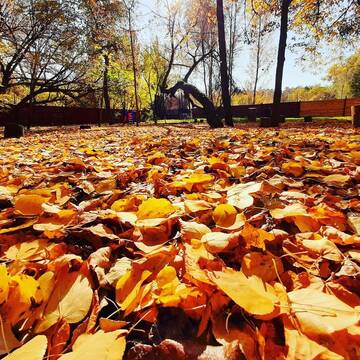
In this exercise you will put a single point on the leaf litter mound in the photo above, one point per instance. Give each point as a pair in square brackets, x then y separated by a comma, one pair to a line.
[180, 243]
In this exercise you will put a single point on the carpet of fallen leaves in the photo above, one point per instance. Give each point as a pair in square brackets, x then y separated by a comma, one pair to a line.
[180, 243]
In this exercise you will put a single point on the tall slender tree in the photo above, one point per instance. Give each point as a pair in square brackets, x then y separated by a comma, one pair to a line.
[223, 64]
[103, 18]
[130, 7]
[284, 25]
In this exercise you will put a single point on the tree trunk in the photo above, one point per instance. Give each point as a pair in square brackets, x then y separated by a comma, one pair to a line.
[204, 67]
[232, 46]
[280, 61]
[258, 50]
[211, 72]
[211, 114]
[106, 95]
[223, 64]
[134, 69]
[5, 81]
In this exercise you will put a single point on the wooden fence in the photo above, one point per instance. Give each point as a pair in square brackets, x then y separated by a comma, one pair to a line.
[56, 116]
[60, 116]
[328, 107]
[322, 108]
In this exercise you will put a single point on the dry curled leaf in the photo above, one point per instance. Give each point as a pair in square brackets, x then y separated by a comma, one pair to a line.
[70, 300]
[320, 313]
[35, 349]
[101, 346]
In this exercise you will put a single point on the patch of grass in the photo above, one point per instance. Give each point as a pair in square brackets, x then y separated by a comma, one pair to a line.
[337, 118]
[243, 120]
[172, 121]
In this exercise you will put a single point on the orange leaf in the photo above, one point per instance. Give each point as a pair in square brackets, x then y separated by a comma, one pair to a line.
[29, 204]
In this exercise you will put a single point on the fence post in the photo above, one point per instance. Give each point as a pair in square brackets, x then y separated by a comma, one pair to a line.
[252, 114]
[355, 114]
[344, 108]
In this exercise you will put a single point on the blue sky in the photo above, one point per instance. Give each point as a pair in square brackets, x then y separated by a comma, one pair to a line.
[295, 74]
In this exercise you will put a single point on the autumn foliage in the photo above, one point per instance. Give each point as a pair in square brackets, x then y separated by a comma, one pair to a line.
[180, 243]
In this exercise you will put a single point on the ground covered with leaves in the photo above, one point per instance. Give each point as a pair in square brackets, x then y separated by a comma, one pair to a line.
[180, 243]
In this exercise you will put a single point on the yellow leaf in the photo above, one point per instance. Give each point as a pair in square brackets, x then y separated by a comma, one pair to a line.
[166, 276]
[266, 266]
[25, 225]
[147, 249]
[156, 158]
[217, 242]
[24, 293]
[127, 217]
[320, 313]
[108, 325]
[193, 230]
[150, 223]
[336, 179]
[239, 222]
[192, 256]
[296, 209]
[239, 195]
[324, 248]
[8, 190]
[29, 204]
[189, 182]
[198, 178]
[194, 206]
[4, 283]
[354, 222]
[241, 201]
[339, 237]
[256, 237]
[29, 250]
[102, 231]
[167, 285]
[237, 171]
[155, 208]
[306, 223]
[127, 204]
[46, 284]
[119, 269]
[47, 227]
[293, 168]
[128, 289]
[250, 293]
[302, 348]
[33, 350]
[98, 346]
[70, 300]
[356, 157]
[224, 215]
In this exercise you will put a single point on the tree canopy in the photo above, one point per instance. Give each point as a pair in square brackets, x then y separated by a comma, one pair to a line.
[101, 53]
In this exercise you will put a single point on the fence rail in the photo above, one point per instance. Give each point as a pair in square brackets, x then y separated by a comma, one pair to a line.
[59, 116]
[294, 109]
[62, 116]
[328, 107]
